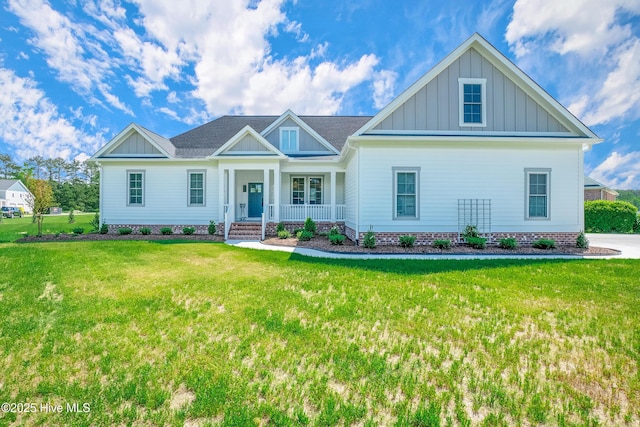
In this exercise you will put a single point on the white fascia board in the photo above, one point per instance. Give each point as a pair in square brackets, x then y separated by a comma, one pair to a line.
[471, 139]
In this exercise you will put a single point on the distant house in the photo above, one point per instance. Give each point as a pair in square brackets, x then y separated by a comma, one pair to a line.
[594, 190]
[475, 141]
[15, 194]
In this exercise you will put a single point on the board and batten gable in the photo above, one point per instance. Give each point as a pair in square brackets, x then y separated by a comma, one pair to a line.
[135, 144]
[307, 143]
[248, 144]
[435, 107]
[165, 193]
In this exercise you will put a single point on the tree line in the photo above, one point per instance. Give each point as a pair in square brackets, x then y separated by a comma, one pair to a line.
[74, 184]
[631, 196]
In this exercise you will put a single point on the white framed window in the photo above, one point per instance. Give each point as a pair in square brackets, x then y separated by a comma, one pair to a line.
[289, 139]
[406, 193]
[537, 185]
[472, 100]
[135, 188]
[196, 187]
[307, 190]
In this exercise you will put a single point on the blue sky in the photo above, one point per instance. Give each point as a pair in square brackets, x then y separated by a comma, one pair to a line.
[74, 73]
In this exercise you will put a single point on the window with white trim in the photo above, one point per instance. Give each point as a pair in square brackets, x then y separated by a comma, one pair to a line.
[537, 183]
[196, 188]
[289, 139]
[297, 191]
[405, 193]
[135, 188]
[473, 105]
[310, 186]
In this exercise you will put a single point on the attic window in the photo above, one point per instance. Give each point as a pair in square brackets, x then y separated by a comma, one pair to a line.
[473, 105]
[289, 139]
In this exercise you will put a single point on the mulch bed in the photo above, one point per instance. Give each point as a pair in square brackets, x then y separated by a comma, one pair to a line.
[323, 244]
[95, 236]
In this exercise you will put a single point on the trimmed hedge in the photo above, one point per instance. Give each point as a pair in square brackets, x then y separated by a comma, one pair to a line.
[603, 216]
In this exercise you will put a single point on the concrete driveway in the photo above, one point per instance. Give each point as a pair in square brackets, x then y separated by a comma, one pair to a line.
[629, 244]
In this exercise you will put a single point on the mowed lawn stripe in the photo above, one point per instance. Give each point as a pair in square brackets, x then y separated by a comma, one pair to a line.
[203, 333]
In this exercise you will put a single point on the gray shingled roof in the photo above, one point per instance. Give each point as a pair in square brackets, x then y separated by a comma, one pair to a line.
[5, 184]
[204, 140]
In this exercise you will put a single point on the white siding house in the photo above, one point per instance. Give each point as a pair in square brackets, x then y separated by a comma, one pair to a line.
[13, 193]
[473, 142]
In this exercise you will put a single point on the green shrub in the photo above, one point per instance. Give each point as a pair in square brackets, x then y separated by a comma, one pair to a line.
[476, 242]
[636, 225]
[95, 222]
[508, 243]
[124, 230]
[283, 234]
[407, 241]
[72, 217]
[145, 231]
[334, 231]
[304, 235]
[104, 229]
[78, 230]
[336, 239]
[581, 241]
[297, 230]
[188, 230]
[310, 226]
[442, 244]
[280, 227]
[603, 216]
[544, 244]
[470, 231]
[166, 231]
[211, 229]
[369, 240]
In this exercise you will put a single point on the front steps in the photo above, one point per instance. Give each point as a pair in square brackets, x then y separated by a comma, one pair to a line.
[245, 231]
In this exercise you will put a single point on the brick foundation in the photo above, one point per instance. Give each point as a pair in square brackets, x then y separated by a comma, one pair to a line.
[523, 239]
[177, 229]
[290, 226]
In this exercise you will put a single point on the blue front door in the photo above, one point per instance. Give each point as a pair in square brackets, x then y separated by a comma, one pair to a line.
[255, 199]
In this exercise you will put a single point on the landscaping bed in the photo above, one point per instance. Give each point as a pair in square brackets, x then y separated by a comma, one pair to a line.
[323, 244]
[64, 237]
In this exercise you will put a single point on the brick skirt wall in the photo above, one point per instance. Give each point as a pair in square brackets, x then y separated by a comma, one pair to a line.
[523, 239]
[177, 229]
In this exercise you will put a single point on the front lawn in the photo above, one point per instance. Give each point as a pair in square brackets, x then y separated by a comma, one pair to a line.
[159, 333]
[12, 229]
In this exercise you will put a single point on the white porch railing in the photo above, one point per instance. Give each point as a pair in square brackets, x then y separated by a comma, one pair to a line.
[302, 212]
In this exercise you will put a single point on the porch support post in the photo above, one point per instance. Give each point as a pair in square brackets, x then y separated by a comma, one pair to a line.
[333, 196]
[221, 191]
[266, 192]
[232, 195]
[276, 193]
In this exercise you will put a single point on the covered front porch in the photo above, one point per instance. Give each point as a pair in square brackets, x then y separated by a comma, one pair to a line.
[267, 192]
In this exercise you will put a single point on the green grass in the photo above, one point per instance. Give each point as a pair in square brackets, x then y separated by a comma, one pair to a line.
[154, 334]
[12, 229]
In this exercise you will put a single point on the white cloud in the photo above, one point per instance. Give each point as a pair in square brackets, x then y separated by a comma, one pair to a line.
[592, 35]
[384, 88]
[619, 171]
[32, 125]
[79, 61]
[234, 71]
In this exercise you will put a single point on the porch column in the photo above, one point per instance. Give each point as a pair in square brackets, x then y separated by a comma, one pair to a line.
[232, 194]
[221, 192]
[266, 192]
[276, 194]
[333, 196]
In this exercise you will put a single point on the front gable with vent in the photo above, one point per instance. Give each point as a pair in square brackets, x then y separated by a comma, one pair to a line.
[136, 142]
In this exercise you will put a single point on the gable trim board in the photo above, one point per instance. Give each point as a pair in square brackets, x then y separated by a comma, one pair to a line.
[456, 161]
